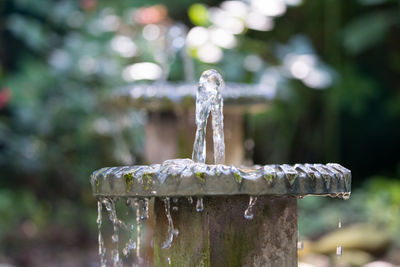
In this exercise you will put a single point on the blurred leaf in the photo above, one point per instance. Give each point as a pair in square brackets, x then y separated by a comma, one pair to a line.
[367, 31]
[372, 2]
[354, 91]
[198, 14]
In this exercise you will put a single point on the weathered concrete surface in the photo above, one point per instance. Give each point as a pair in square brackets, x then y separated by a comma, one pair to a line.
[221, 236]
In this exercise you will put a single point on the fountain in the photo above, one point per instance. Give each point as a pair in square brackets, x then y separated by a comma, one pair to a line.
[169, 106]
[243, 216]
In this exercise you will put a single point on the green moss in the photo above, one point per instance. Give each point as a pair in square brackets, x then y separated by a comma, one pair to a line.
[128, 178]
[291, 178]
[97, 181]
[269, 177]
[201, 176]
[238, 177]
[147, 180]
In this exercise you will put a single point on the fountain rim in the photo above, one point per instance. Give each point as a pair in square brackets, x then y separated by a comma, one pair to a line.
[280, 180]
[244, 96]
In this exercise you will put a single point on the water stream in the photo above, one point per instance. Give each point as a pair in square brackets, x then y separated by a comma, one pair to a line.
[209, 100]
[102, 248]
[171, 230]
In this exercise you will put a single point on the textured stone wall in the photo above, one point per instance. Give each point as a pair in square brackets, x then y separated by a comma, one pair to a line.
[221, 236]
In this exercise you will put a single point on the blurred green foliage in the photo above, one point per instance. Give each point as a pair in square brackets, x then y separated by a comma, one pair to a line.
[377, 202]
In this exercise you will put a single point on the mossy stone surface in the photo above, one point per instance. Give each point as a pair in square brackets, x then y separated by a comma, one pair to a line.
[221, 236]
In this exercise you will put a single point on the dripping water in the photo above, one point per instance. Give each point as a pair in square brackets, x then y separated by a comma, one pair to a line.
[175, 201]
[171, 230]
[145, 214]
[339, 249]
[190, 200]
[102, 249]
[300, 245]
[248, 213]
[136, 207]
[110, 207]
[199, 204]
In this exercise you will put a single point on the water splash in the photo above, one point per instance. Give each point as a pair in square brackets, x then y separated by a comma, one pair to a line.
[199, 205]
[102, 248]
[171, 230]
[209, 99]
[248, 213]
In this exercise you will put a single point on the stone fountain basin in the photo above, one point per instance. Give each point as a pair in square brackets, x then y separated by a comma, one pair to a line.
[171, 96]
[183, 177]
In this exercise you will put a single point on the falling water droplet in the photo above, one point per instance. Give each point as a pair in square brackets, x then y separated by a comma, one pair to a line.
[131, 245]
[199, 205]
[169, 260]
[339, 251]
[115, 256]
[115, 238]
[248, 213]
[300, 245]
[175, 208]
[145, 214]
[346, 196]
[340, 223]
[190, 200]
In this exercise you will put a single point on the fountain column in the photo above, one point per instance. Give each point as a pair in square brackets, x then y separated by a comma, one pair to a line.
[220, 234]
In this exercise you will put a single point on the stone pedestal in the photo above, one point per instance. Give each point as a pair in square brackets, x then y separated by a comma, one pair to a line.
[221, 236]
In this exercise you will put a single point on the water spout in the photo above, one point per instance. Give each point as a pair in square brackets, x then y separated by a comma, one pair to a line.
[209, 99]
